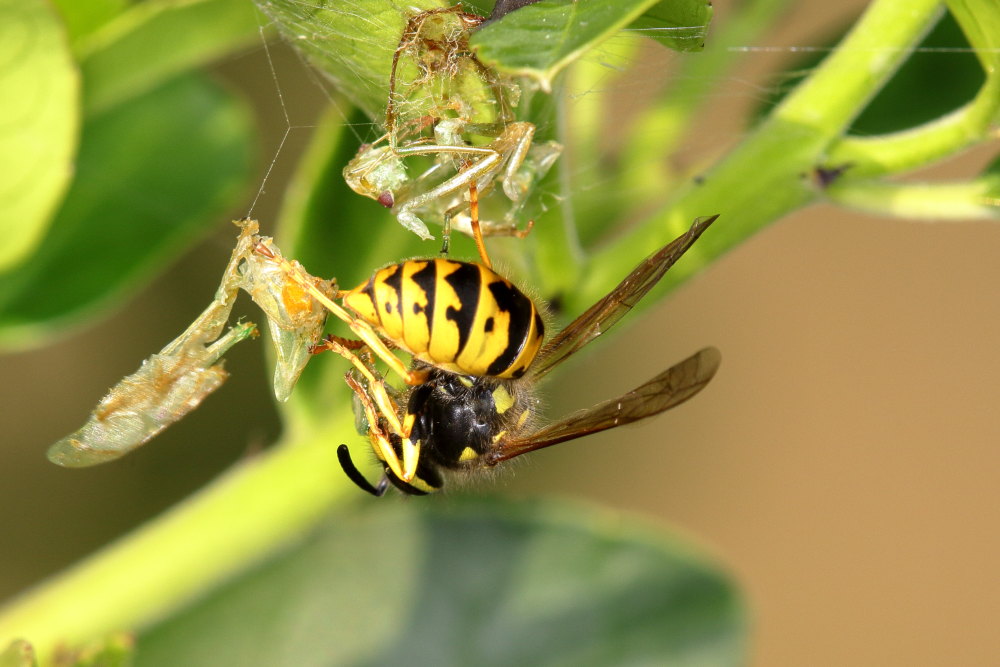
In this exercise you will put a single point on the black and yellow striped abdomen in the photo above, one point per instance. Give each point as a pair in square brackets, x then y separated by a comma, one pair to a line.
[458, 316]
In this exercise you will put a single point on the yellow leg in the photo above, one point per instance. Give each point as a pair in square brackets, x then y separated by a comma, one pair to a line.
[379, 439]
[377, 395]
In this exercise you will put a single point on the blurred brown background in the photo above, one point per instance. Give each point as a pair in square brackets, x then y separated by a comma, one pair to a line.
[843, 464]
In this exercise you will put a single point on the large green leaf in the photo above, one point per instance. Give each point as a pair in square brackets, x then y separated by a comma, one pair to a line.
[83, 18]
[541, 39]
[152, 176]
[39, 120]
[351, 41]
[465, 583]
[152, 41]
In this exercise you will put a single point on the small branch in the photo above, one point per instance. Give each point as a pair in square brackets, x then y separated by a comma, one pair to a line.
[923, 145]
[247, 514]
[765, 177]
[971, 200]
[841, 87]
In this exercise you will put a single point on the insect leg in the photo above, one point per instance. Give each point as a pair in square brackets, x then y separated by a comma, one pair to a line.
[481, 170]
[405, 469]
[477, 230]
[518, 136]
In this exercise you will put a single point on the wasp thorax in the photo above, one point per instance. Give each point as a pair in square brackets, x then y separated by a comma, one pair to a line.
[459, 419]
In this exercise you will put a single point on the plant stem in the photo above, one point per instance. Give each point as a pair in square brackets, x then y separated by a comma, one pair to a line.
[256, 508]
[923, 201]
[920, 146]
[768, 175]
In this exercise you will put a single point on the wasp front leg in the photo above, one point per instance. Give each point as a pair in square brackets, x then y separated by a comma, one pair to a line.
[406, 468]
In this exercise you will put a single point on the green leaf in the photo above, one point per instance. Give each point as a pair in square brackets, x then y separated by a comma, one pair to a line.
[153, 175]
[539, 40]
[681, 26]
[934, 80]
[351, 41]
[83, 18]
[39, 121]
[153, 41]
[465, 583]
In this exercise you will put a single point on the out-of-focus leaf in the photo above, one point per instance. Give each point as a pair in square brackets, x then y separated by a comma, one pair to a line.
[681, 26]
[935, 80]
[39, 121]
[153, 175]
[465, 583]
[351, 41]
[114, 651]
[540, 40]
[83, 18]
[153, 41]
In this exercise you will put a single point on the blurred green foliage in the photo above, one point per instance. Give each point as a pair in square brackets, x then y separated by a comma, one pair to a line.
[162, 150]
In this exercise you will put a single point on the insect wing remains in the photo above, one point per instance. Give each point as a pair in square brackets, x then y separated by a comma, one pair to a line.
[173, 382]
[166, 387]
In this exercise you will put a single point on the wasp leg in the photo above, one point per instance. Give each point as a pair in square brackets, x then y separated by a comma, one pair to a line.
[407, 468]
[344, 456]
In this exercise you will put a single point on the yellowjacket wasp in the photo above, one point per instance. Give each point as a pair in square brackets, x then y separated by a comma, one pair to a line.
[476, 343]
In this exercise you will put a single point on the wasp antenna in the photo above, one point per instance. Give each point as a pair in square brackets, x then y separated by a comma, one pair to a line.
[344, 456]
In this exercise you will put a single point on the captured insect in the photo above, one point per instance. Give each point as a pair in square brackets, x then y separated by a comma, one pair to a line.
[477, 343]
[174, 381]
[443, 102]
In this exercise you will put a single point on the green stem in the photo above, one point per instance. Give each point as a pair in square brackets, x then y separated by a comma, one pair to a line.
[974, 200]
[768, 175]
[923, 145]
[670, 118]
[250, 512]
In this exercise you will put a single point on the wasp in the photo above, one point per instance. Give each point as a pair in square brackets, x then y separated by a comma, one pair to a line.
[478, 348]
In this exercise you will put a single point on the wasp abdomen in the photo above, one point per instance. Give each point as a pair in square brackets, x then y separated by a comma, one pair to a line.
[458, 316]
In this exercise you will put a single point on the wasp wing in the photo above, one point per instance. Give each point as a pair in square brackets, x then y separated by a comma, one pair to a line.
[603, 314]
[668, 389]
